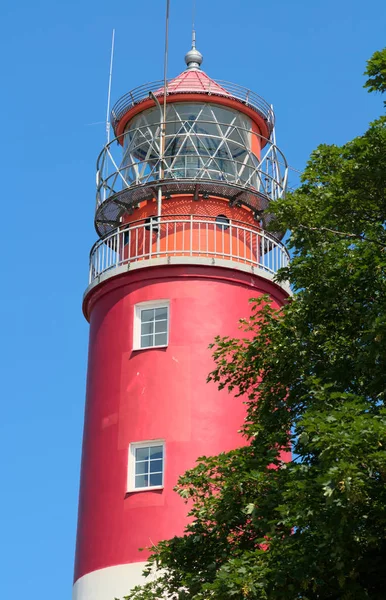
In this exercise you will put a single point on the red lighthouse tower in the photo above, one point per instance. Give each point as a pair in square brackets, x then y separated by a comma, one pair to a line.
[181, 212]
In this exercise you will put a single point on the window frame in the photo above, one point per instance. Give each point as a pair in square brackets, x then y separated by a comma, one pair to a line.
[137, 322]
[130, 486]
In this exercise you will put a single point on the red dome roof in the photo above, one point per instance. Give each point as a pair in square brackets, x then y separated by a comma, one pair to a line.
[195, 81]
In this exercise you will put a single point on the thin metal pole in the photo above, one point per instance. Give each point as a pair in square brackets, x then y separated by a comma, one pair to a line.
[166, 61]
[104, 171]
[193, 15]
[109, 88]
[163, 125]
[159, 209]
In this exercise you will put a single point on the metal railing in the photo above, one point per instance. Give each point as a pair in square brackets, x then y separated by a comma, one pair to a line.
[227, 89]
[192, 151]
[191, 238]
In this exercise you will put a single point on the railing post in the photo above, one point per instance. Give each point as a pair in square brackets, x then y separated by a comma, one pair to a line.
[128, 244]
[230, 239]
[262, 248]
[191, 236]
[274, 254]
[117, 249]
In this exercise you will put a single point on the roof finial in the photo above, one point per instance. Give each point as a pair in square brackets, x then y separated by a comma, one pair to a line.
[193, 58]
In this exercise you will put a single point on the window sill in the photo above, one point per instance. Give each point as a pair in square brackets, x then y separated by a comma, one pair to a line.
[145, 489]
[150, 348]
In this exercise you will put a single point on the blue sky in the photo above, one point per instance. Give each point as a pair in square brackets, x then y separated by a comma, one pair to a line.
[305, 57]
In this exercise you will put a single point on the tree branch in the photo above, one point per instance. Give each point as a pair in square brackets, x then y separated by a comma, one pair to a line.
[356, 236]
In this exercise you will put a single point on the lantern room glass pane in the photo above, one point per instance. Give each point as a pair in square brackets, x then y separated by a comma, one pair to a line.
[203, 141]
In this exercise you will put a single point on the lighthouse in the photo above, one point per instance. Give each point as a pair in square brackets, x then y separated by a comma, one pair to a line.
[183, 195]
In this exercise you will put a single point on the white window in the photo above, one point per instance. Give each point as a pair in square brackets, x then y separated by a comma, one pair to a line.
[151, 326]
[146, 465]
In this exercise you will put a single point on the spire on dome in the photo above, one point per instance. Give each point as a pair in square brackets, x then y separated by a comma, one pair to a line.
[193, 58]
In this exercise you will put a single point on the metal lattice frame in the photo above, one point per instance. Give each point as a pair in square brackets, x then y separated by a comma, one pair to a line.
[202, 155]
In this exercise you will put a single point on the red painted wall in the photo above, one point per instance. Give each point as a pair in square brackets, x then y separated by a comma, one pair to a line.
[185, 205]
[135, 396]
[212, 241]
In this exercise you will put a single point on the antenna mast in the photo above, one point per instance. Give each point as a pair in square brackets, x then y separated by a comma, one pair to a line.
[193, 24]
[109, 88]
[165, 78]
[163, 124]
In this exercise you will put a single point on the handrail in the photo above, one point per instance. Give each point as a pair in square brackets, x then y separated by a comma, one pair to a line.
[232, 90]
[192, 238]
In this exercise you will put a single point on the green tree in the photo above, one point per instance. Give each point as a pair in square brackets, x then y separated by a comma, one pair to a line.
[376, 72]
[314, 375]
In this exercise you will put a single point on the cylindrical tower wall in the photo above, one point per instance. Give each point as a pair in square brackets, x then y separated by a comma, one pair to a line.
[184, 204]
[155, 395]
[213, 237]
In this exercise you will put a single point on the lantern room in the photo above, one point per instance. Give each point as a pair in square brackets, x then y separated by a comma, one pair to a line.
[189, 175]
